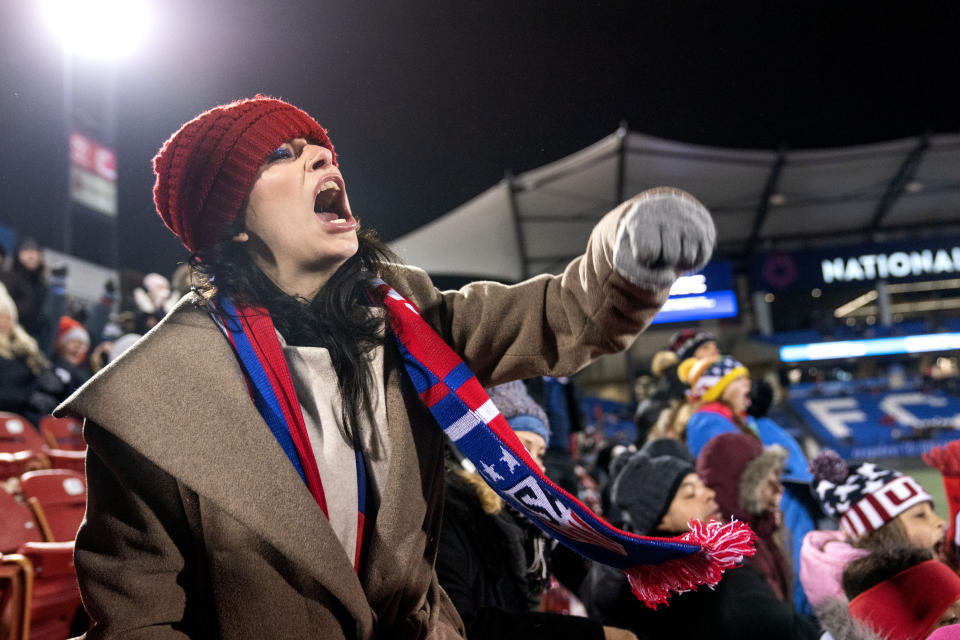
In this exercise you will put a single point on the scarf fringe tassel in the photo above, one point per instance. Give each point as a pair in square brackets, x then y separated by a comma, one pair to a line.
[722, 547]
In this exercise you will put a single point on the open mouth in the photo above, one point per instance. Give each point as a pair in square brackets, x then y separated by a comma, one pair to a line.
[939, 550]
[330, 203]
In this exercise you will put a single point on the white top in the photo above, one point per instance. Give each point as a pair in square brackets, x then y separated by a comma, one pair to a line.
[315, 383]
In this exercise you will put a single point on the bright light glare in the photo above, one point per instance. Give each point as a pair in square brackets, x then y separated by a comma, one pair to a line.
[873, 347]
[98, 28]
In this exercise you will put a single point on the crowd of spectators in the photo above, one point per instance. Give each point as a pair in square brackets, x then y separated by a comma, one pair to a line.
[705, 448]
[830, 562]
[835, 543]
[51, 344]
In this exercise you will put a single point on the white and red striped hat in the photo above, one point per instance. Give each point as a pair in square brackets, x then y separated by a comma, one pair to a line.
[866, 498]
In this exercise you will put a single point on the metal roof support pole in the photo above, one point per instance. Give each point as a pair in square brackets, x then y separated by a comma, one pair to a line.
[512, 189]
[622, 162]
[883, 304]
[763, 207]
[621, 196]
[898, 183]
[762, 316]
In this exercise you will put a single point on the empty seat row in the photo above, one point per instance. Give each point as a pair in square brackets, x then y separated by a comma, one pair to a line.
[40, 512]
[39, 596]
[58, 443]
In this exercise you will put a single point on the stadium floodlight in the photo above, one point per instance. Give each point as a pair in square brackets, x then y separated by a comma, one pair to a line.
[97, 28]
[874, 347]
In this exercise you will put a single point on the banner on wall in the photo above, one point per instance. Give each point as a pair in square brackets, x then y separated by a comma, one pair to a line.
[882, 425]
[93, 175]
[927, 259]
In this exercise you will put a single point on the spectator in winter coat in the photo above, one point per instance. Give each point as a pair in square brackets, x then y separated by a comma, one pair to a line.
[22, 367]
[800, 508]
[878, 508]
[492, 562]
[660, 491]
[720, 401]
[669, 394]
[746, 478]
[26, 285]
[561, 401]
[153, 300]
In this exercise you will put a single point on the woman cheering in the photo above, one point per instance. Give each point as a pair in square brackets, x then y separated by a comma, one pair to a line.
[260, 463]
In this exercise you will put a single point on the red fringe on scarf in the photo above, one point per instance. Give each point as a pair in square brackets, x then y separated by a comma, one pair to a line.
[722, 547]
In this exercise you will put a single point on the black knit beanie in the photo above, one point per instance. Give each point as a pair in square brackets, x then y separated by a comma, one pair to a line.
[645, 487]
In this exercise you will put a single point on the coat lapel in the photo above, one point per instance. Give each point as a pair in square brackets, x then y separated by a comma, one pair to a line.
[179, 397]
[396, 573]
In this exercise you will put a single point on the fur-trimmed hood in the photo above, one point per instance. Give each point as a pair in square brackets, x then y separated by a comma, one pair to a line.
[753, 480]
[834, 616]
[736, 466]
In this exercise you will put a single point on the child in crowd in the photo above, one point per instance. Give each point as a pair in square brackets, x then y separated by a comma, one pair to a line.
[660, 491]
[70, 355]
[877, 508]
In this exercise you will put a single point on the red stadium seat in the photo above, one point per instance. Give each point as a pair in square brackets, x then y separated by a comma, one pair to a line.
[16, 590]
[16, 464]
[59, 499]
[17, 525]
[17, 434]
[56, 596]
[21, 447]
[63, 433]
[72, 460]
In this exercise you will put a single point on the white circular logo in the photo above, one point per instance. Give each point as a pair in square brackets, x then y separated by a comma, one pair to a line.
[73, 487]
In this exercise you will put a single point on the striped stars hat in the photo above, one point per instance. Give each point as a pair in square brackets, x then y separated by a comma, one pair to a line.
[865, 498]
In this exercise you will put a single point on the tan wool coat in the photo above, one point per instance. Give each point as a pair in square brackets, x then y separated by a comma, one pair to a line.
[197, 524]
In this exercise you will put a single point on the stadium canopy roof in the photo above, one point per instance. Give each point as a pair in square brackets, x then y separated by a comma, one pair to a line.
[537, 221]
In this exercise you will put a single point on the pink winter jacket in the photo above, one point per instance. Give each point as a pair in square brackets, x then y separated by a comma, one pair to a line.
[823, 556]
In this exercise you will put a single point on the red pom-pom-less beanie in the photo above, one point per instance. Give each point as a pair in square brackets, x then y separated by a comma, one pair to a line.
[206, 169]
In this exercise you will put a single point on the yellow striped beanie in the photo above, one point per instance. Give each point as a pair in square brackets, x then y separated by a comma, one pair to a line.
[708, 377]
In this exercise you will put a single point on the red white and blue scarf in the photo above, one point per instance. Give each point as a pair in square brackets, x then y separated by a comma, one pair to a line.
[461, 407]
[254, 340]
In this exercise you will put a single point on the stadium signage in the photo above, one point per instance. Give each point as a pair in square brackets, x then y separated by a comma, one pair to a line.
[700, 296]
[929, 259]
[93, 174]
[899, 264]
[869, 425]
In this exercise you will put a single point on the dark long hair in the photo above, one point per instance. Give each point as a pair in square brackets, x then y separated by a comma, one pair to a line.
[337, 319]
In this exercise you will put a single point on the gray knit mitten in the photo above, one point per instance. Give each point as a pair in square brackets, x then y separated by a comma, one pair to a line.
[664, 233]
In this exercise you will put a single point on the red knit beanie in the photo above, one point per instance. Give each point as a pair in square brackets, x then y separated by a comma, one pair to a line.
[205, 171]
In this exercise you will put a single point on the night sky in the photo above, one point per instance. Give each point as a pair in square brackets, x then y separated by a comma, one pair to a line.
[429, 103]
